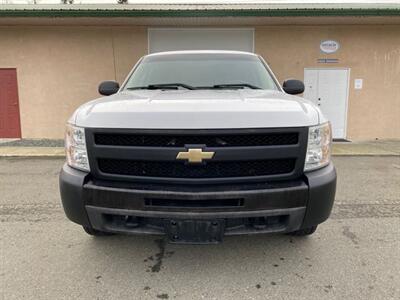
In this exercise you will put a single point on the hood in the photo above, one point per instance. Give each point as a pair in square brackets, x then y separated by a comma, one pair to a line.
[197, 109]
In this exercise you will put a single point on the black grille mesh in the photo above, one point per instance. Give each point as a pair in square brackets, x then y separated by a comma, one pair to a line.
[215, 169]
[237, 140]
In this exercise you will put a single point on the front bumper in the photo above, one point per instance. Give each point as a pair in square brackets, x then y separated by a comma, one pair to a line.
[243, 209]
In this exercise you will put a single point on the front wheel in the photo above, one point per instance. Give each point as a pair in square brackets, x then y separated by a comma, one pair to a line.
[304, 231]
[95, 232]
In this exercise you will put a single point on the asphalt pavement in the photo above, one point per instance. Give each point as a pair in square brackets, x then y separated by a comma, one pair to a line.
[354, 255]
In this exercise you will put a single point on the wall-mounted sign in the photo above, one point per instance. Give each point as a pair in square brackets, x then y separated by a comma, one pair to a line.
[327, 60]
[329, 46]
[358, 84]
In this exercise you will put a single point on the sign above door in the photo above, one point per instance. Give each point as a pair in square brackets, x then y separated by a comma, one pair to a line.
[329, 46]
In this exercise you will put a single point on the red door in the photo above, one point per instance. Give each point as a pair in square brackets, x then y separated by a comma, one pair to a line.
[9, 108]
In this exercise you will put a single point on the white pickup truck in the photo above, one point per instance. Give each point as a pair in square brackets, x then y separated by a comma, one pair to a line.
[196, 145]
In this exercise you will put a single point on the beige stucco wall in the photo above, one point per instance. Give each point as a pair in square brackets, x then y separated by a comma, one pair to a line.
[372, 52]
[60, 67]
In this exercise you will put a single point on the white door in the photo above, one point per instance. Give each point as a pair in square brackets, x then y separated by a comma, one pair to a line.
[328, 88]
[170, 39]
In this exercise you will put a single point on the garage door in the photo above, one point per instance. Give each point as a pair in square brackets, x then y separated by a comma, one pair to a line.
[167, 39]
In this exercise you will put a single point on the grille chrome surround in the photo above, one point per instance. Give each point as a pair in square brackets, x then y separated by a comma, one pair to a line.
[153, 163]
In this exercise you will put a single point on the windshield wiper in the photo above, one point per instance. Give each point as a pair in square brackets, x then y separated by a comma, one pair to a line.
[173, 86]
[236, 85]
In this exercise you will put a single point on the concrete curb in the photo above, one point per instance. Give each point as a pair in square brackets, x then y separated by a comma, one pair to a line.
[32, 152]
[338, 150]
[366, 149]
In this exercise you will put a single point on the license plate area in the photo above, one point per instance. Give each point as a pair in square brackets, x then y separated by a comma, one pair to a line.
[194, 231]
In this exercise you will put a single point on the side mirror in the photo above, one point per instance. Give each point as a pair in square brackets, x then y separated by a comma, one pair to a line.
[293, 86]
[107, 88]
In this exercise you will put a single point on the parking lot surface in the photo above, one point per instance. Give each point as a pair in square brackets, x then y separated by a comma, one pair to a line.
[354, 255]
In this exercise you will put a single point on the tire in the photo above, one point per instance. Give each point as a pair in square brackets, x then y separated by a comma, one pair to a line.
[95, 232]
[304, 231]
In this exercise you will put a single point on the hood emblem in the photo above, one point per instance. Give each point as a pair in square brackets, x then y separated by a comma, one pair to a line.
[195, 155]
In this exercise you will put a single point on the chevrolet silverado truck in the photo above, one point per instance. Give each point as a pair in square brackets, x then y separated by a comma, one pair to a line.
[198, 145]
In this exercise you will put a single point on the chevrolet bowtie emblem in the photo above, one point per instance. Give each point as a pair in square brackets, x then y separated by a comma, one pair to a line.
[195, 155]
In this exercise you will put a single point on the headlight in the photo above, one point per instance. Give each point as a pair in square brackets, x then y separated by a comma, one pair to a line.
[318, 147]
[75, 147]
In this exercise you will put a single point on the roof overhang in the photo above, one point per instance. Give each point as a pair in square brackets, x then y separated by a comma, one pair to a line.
[159, 14]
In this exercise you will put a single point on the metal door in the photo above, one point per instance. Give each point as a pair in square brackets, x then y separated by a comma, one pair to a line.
[328, 88]
[9, 106]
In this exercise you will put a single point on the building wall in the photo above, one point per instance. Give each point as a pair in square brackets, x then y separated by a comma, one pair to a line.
[59, 68]
[372, 52]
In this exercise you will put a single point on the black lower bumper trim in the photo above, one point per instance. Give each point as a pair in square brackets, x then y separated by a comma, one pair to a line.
[299, 203]
[235, 223]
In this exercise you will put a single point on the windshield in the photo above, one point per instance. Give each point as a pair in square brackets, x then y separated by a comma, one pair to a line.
[201, 71]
